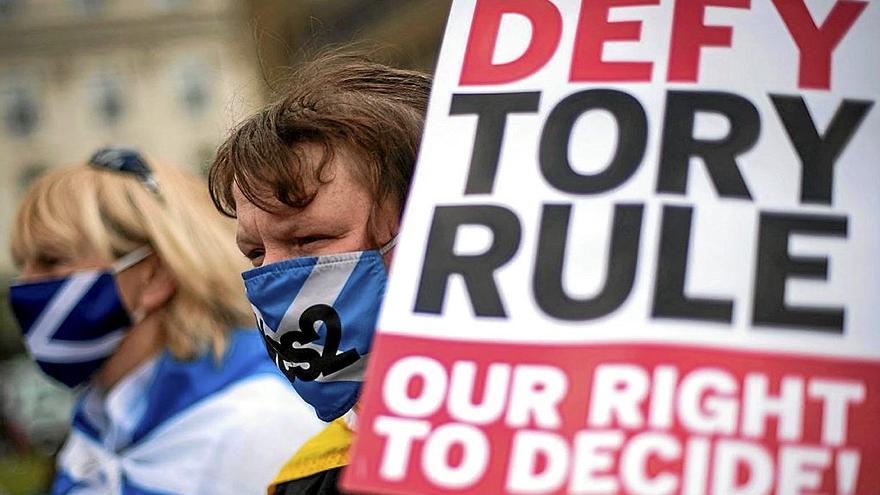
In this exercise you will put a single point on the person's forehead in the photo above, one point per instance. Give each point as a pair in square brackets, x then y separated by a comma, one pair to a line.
[340, 189]
[341, 195]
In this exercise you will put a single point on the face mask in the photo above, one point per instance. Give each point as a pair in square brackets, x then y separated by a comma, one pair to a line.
[317, 316]
[72, 324]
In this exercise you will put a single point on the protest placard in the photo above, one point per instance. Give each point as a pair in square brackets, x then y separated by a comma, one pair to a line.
[640, 255]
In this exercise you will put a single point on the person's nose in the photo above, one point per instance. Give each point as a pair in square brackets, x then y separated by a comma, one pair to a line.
[275, 254]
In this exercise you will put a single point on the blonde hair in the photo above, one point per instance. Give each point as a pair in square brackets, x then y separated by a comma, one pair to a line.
[86, 211]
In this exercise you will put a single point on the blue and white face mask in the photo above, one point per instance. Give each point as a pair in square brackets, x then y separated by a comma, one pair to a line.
[317, 315]
[72, 324]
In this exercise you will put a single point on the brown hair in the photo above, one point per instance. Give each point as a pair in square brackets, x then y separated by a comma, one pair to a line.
[343, 102]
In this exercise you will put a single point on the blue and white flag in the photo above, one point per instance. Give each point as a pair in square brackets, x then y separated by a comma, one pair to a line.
[187, 427]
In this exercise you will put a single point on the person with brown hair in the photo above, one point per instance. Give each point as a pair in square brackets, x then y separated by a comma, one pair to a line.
[317, 180]
[126, 290]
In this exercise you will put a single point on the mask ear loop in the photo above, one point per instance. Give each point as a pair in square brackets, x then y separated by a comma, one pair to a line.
[388, 245]
[131, 259]
[126, 262]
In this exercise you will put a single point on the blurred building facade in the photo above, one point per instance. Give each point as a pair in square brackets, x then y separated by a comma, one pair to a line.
[169, 76]
[406, 33]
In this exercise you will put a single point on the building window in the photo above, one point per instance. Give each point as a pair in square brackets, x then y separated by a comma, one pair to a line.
[194, 92]
[9, 8]
[172, 4]
[20, 110]
[29, 173]
[204, 158]
[107, 98]
[88, 7]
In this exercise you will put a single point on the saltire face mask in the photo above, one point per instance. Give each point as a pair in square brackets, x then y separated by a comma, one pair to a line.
[317, 315]
[72, 324]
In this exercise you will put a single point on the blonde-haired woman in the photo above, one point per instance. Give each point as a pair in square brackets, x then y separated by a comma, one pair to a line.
[129, 284]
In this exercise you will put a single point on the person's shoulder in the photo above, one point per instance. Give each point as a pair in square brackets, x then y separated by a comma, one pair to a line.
[178, 387]
[259, 385]
[267, 396]
[261, 416]
[316, 462]
[244, 358]
[322, 483]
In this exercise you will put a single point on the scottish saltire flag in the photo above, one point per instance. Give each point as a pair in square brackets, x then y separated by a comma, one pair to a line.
[317, 315]
[174, 427]
[72, 324]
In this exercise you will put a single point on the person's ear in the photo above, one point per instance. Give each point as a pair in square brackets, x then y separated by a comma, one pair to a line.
[158, 288]
[384, 223]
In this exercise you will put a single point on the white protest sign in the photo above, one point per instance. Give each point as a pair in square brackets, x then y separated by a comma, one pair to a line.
[640, 255]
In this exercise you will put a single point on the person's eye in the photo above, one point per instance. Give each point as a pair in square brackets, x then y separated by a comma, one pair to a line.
[311, 239]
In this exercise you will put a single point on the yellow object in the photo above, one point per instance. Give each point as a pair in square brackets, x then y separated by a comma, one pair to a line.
[326, 450]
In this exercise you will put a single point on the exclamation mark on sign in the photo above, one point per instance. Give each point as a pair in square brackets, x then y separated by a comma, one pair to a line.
[847, 471]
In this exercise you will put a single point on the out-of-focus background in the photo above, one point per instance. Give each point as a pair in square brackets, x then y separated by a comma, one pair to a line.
[170, 77]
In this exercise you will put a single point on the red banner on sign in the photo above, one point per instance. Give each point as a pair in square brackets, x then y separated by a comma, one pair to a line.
[639, 418]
